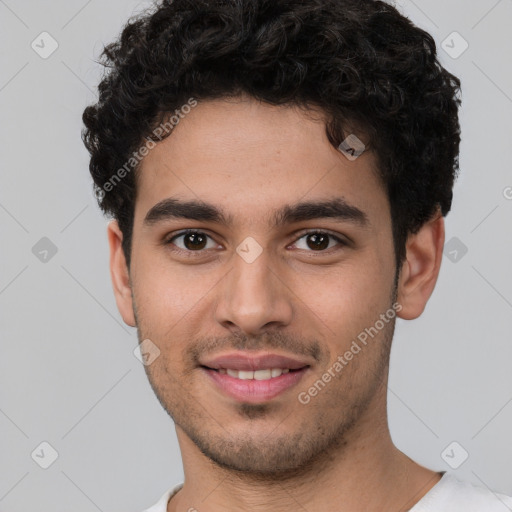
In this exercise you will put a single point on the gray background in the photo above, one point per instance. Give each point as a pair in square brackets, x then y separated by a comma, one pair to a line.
[68, 373]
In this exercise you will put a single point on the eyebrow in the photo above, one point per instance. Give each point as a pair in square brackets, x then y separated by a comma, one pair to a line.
[338, 209]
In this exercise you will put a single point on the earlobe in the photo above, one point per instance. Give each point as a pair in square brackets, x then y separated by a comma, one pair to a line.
[120, 275]
[420, 271]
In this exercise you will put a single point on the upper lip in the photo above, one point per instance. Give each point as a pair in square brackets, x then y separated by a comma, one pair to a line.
[252, 362]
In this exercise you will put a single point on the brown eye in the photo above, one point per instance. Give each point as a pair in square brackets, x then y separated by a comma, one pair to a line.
[319, 241]
[192, 241]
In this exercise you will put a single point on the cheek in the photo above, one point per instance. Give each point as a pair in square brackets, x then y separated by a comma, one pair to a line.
[349, 298]
[164, 296]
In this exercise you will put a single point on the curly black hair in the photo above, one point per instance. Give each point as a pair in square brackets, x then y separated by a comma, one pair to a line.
[364, 64]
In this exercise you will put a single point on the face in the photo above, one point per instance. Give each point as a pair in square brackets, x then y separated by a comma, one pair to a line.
[266, 278]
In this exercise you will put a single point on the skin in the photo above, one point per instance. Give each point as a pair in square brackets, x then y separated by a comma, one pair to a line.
[249, 159]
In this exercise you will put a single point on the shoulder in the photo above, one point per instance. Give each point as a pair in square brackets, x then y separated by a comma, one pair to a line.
[453, 495]
[161, 504]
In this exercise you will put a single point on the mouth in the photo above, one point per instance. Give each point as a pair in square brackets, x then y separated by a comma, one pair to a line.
[254, 386]
[265, 374]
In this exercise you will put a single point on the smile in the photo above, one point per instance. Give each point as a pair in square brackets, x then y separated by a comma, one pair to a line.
[254, 386]
[269, 373]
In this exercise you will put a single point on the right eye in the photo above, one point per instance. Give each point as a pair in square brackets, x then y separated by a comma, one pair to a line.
[191, 241]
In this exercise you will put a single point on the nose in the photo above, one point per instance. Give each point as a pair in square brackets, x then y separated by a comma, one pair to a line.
[254, 296]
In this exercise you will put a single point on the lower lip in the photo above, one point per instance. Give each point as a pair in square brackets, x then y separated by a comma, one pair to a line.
[252, 390]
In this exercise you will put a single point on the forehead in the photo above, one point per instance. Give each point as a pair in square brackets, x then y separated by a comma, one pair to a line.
[250, 159]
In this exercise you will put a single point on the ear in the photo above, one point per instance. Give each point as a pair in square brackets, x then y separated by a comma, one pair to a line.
[119, 274]
[419, 272]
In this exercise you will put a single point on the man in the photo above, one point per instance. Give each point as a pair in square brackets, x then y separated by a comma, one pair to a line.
[278, 173]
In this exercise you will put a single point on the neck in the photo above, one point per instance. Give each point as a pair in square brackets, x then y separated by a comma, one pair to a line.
[366, 472]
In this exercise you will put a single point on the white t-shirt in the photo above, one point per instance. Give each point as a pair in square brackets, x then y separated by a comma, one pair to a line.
[448, 495]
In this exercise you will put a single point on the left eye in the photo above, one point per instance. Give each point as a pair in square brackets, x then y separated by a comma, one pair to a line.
[319, 241]
[196, 241]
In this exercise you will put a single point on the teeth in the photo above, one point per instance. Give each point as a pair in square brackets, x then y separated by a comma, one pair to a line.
[262, 374]
[257, 375]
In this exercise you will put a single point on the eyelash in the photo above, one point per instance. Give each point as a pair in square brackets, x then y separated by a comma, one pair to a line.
[190, 253]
